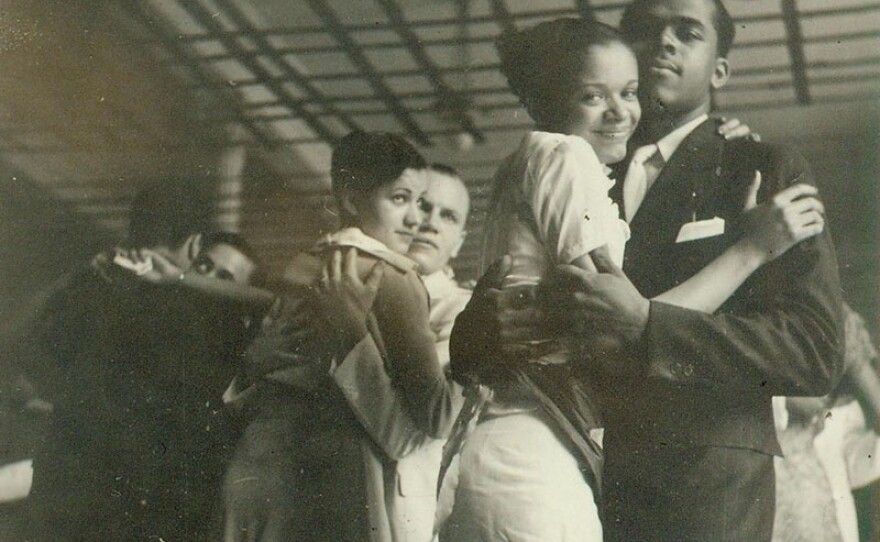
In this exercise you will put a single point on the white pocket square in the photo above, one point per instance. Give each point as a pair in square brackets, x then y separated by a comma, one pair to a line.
[701, 229]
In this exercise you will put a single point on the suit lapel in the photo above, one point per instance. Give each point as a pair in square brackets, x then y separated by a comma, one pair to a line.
[692, 168]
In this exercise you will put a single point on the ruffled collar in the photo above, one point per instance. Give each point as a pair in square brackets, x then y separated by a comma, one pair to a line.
[354, 237]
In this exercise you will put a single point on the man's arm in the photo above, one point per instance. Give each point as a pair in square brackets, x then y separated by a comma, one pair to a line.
[783, 334]
[786, 337]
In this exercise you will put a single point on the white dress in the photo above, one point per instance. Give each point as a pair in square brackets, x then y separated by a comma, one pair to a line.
[551, 206]
[518, 482]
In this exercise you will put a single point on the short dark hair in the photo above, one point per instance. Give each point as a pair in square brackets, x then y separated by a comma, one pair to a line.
[364, 161]
[444, 169]
[541, 63]
[722, 21]
[239, 243]
[167, 212]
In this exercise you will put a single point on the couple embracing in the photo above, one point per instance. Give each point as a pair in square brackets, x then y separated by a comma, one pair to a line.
[728, 295]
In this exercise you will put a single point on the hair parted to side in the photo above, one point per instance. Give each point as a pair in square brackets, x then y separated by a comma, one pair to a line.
[364, 161]
[542, 63]
[722, 21]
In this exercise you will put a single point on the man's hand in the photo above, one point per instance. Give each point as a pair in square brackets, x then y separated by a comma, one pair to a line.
[475, 342]
[605, 309]
[513, 312]
[343, 299]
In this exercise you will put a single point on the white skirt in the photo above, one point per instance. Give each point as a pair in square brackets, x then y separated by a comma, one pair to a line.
[518, 483]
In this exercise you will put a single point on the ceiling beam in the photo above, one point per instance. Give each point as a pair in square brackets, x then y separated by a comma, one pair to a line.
[203, 76]
[585, 8]
[359, 59]
[476, 40]
[455, 102]
[294, 31]
[207, 19]
[795, 45]
[299, 78]
[502, 15]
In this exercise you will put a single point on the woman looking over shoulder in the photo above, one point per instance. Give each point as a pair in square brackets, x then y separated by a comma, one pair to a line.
[530, 470]
[306, 469]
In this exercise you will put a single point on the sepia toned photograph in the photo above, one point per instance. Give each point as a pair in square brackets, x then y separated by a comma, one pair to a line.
[439, 271]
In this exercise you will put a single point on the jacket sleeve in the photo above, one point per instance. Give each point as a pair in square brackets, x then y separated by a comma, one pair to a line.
[401, 311]
[783, 331]
[474, 342]
[370, 393]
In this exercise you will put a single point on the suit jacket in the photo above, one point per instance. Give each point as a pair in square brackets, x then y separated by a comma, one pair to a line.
[137, 436]
[707, 379]
[410, 498]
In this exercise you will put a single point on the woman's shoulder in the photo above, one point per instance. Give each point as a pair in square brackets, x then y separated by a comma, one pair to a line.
[547, 147]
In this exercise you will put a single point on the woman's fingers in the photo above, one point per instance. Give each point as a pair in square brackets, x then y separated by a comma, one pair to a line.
[324, 283]
[350, 268]
[336, 266]
[494, 275]
[374, 277]
[752, 194]
[793, 192]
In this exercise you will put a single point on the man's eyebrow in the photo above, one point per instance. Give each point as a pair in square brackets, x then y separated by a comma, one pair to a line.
[689, 21]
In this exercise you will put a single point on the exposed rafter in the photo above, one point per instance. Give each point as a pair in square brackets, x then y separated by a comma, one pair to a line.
[430, 70]
[585, 9]
[296, 76]
[202, 75]
[368, 71]
[795, 45]
[502, 15]
[207, 19]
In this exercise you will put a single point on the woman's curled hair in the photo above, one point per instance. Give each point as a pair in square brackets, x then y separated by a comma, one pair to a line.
[542, 63]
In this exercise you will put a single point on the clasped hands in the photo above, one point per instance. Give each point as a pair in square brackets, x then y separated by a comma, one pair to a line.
[601, 313]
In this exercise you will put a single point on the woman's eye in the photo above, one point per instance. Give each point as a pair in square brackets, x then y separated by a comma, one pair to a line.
[399, 198]
[592, 98]
[630, 94]
[449, 217]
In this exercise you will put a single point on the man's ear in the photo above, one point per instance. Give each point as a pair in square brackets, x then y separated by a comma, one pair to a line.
[458, 244]
[721, 73]
[193, 246]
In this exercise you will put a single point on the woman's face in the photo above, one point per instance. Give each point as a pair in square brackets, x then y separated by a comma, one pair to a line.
[392, 212]
[604, 106]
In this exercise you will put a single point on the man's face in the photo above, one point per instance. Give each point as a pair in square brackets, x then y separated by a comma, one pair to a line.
[225, 262]
[676, 44]
[446, 204]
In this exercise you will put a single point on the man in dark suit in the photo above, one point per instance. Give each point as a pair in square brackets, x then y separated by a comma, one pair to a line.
[690, 434]
[690, 439]
[135, 447]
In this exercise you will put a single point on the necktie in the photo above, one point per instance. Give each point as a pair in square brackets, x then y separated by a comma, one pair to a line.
[639, 175]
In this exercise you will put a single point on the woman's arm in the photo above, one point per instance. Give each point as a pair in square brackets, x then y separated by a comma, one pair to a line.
[399, 303]
[164, 272]
[771, 229]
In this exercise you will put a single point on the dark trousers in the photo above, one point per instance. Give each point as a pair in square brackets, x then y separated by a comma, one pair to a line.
[675, 494]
